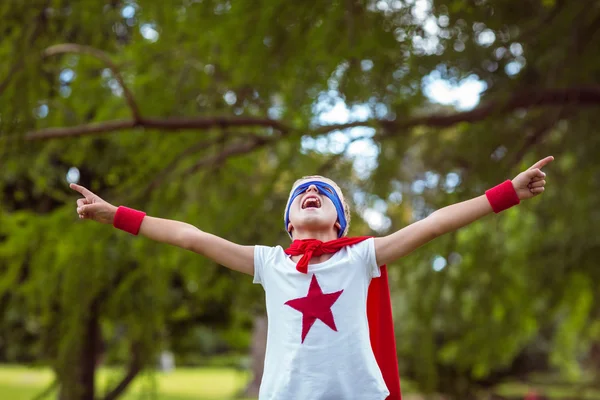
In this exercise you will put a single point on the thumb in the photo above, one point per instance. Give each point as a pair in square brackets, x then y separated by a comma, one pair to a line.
[89, 208]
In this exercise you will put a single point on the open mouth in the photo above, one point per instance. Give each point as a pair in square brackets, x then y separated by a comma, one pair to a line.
[311, 202]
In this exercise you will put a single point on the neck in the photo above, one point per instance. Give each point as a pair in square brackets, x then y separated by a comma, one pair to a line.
[318, 235]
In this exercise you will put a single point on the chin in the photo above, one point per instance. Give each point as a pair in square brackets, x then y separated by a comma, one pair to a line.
[315, 224]
[317, 219]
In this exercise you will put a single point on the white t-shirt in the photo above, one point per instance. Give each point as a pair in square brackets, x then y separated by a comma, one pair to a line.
[318, 343]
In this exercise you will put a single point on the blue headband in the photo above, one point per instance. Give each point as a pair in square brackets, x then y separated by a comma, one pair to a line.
[326, 190]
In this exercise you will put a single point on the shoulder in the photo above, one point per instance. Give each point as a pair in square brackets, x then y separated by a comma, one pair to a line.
[364, 253]
[264, 258]
[266, 254]
[363, 247]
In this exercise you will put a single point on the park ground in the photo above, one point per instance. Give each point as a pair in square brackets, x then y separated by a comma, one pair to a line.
[27, 383]
[23, 383]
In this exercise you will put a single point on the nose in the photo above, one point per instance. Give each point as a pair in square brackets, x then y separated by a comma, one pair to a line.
[312, 188]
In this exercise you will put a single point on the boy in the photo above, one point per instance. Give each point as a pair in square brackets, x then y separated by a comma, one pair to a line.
[317, 290]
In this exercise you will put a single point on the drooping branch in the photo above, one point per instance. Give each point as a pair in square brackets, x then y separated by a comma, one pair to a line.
[133, 369]
[40, 24]
[332, 160]
[13, 70]
[541, 127]
[47, 391]
[202, 145]
[240, 147]
[576, 96]
[160, 176]
[102, 56]
[246, 143]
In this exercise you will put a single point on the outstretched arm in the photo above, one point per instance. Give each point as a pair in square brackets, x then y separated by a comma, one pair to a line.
[176, 233]
[527, 184]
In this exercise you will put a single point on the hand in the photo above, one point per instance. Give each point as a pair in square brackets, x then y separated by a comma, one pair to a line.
[93, 207]
[530, 183]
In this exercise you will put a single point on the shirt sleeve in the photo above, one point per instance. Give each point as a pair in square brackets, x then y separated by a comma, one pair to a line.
[366, 252]
[261, 254]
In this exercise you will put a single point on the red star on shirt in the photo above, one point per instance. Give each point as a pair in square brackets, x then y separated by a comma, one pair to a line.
[315, 305]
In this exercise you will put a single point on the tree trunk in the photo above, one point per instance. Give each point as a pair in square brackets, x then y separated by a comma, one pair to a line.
[89, 354]
[259, 348]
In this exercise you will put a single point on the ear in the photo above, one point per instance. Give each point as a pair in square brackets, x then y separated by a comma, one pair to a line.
[337, 226]
[289, 227]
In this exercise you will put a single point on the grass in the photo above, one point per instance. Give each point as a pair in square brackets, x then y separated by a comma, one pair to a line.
[23, 383]
[550, 390]
[219, 383]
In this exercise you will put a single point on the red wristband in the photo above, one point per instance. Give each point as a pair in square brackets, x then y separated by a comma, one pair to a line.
[503, 196]
[128, 219]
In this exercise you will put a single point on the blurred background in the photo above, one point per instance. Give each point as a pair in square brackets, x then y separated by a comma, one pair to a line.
[207, 111]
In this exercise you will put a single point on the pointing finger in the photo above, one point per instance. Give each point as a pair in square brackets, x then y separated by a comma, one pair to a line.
[81, 190]
[542, 163]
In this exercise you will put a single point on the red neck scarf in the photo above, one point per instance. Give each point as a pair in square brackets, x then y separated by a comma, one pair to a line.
[379, 307]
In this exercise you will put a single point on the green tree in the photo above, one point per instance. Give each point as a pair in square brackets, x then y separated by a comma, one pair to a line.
[207, 111]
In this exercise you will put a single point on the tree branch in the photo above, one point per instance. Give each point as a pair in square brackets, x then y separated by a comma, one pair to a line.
[16, 67]
[213, 122]
[581, 96]
[240, 147]
[47, 391]
[168, 124]
[332, 160]
[80, 130]
[40, 23]
[102, 56]
[160, 176]
[135, 366]
[542, 127]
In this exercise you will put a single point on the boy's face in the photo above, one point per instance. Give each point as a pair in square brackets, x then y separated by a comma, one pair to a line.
[313, 211]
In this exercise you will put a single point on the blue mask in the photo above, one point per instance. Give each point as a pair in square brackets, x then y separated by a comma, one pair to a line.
[326, 190]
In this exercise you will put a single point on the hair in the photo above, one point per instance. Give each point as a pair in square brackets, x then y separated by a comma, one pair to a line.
[338, 191]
